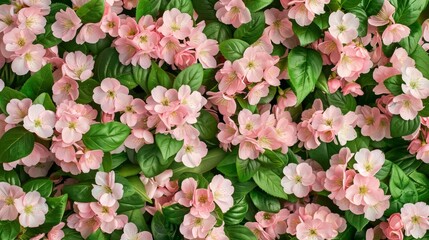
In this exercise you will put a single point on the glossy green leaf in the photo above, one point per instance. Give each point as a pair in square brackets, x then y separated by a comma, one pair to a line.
[8, 94]
[106, 136]
[206, 125]
[411, 42]
[235, 215]
[86, 90]
[91, 12]
[407, 11]
[233, 49]
[393, 84]
[218, 31]
[256, 5]
[239, 232]
[45, 100]
[265, 202]
[175, 213]
[205, 9]
[151, 162]
[357, 221]
[9, 229]
[185, 6]
[307, 34]
[270, 183]
[251, 31]
[43, 186]
[161, 229]
[246, 169]
[191, 76]
[345, 103]
[16, 144]
[400, 127]
[147, 7]
[40, 82]
[401, 187]
[79, 192]
[158, 77]
[167, 145]
[372, 7]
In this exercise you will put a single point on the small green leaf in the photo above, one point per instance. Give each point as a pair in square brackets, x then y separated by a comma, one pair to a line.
[411, 42]
[151, 162]
[256, 5]
[233, 49]
[175, 213]
[205, 9]
[45, 100]
[86, 90]
[307, 34]
[16, 144]
[161, 229]
[265, 202]
[421, 182]
[239, 232]
[43, 186]
[218, 31]
[345, 103]
[235, 215]
[191, 76]
[422, 60]
[246, 169]
[393, 84]
[79, 192]
[400, 127]
[185, 6]
[158, 77]
[91, 12]
[57, 207]
[407, 11]
[251, 31]
[268, 181]
[372, 7]
[106, 136]
[147, 7]
[363, 20]
[167, 145]
[9, 229]
[357, 221]
[206, 125]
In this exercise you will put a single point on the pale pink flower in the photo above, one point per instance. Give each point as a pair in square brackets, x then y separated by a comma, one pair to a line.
[222, 192]
[316, 6]
[2, 85]
[415, 219]
[30, 59]
[17, 110]
[162, 100]
[132, 233]
[395, 33]
[168, 48]
[232, 12]
[39, 154]
[90, 160]
[117, 223]
[253, 63]
[106, 190]
[40, 121]
[376, 210]
[104, 213]
[225, 104]
[90, 33]
[298, 179]
[368, 163]
[343, 26]
[56, 233]
[176, 24]
[206, 52]
[406, 106]
[258, 231]
[217, 233]
[185, 58]
[17, 40]
[415, 83]
[42, 4]
[110, 24]
[328, 123]
[191, 153]
[372, 123]
[72, 128]
[287, 98]
[249, 149]
[337, 180]
[78, 66]
[32, 209]
[279, 27]
[393, 229]
[364, 191]
[110, 95]
[65, 89]
[202, 203]
[230, 79]
[400, 60]
[274, 223]
[7, 17]
[301, 14]
[257, 92]
[31, 18]
[66, 25]
[353, 62]
[9, 195]
[314, 229]
[384, 16]
[194, 227]
[186, 195]
[133, 111]
[331, 47]
[138, 138]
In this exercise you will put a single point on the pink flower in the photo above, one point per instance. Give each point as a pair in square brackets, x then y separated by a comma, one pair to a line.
[194, 227]
[395, 33]
[249, 149]
[110, 95]
[132, 233]
[328, 123]
[225, 104]
[104, 213]
[66, 24]
[384, 16]
[217, 233]
[17, 40]
[274, 223]
[415, 219]
[232, 12]
[32, 209]
[110, 24]
[32, 19]
[65, 89]
[415, 84]
[9, 195]
[301, 14]
[90, 33]
[376, 210]
[162, 100]
[368, 163]
[364, 191]
[337, 180]
[373, 123]
[191, 153]
[314, 229]
[258, 231]
[106, 190]
[7, 17]
[222, 192]
[29, 59]
[176, 24]
[40, 121]
[186, 195]
[90, 160]
[406, 106]
[206, 52]
[133, 110]
[353, 62]
[298, 179]
[253, 63]
[316, 7]
[202, 203]
[343, 26]
[72, 128]
[230, 79]
[185, 58]
[279, 27]
[17, 110]
[400, 60]
[78, 66]
[56, 232]
[257, 92]
[393, 229]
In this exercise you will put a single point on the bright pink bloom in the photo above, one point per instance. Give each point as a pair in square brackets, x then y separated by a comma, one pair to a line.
[191, 153]
[185, 58]
[202, 203]
[194, 227]
[406, 106]
[9, 195]
[32, 209]
[106, 190]
[232, 12]
[343, 26]
[415, 218]
[368, 163]
[110, 24]
[40, 121]
[298, 179]
[393, 229]
[337, 180]
[110, 95]
[66, 24]
[222, 190]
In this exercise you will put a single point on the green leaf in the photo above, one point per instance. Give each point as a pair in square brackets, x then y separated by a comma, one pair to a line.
[401, 187]
[304, 68]
[185, 6]
[357, 221]
[251, 31]
[393, 84]
[411, 42]
[136, 217]
[9, 229]
[16, 144]
[345, 103]
[158, 77]
[256, 5]
[273, 159]
[79, 192]
[265, 202]
[239, 232]
[233, 49]
[71, 234]
[372, 7]
[45, 100]
[10, 177]
[384, 172]
[86, 90]
[130, 203]
[227, 165]
[218, 31]
[421, 182]
[191, 76]
[147, 7]
[210, 161]
[43, 186]
[57, 207]
[8, 94]
[422, 60]
[307, 34]
[97, 235]
[139, 188]
[246, 169]
[202, 182]
[161, 229]
[106, 136]
[205, 9]
[91, 12]
[40, 82]
[349, 4]
[235, 215]
[400, 127]
[363, 20]
[407, 11]
[151, 162]
[322, 21]
[268, 181]
[206, 125]
[107, 65]
[175, 213]
[167, 145]
[241, 189]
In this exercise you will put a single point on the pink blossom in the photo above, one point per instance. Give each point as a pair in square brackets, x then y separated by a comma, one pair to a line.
[415, 219]
[274, 223]
[162, 100]
[29, 59]
[253, 63]
[32, 209]
[225, 104]
[133, 110]
[279, 27]
[393, 229]
[331, 47]
[328, 123]
[406, 106]
[78, 66]
[106, 190]
[7, 17]
[132, 233]
[384, 16]
[368, 163]
[222, 192]
[31, 18]
[186, 195]
[343, 26]
[17, 40]
[117, 223]
[353, 62]
[40, 121]
[202, 203]
[185, 58]
[17, 110]
[298, 179]
[301, 14]
[90, 33]
[72, 128]
[364, 191]
[110, 95]
[230, 79]
[65, 89]
[217, 233]
[314, 229]
[191, 153]
[138, 138]
[249, 149]
[232, 12]
[110, 24]
[337, 180]
[169, 47]
[395, 33]
[316, 7]
[400, 60]
[39, 154]
[415, 84]
[206, 52]
[90, 160]
[176, 24]
[258, 230]
[373, 123]
[194, 227]
[66, 24]
[9, 195]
